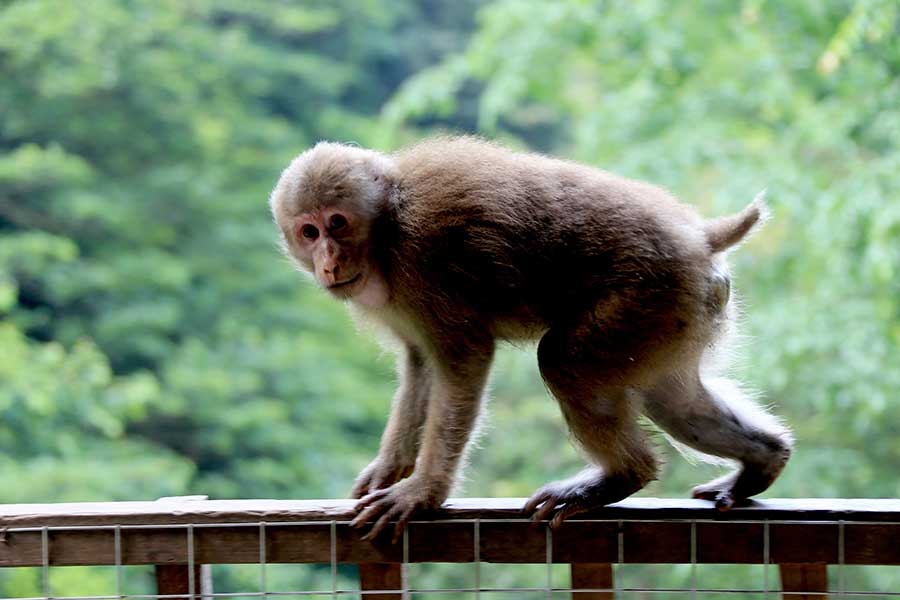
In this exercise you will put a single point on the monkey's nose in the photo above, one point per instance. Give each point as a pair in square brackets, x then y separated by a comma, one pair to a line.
[330, 274]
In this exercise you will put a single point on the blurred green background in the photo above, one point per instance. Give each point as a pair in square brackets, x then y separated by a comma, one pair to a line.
[153, 341]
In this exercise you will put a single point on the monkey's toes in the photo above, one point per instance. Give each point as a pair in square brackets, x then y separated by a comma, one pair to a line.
[723, 498]
[556, 507]
[560, 500]
[726, 491]
[734, 488]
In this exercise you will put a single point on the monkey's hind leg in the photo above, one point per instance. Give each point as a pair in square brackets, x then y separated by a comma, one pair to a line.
[714, 417]
[587, 370]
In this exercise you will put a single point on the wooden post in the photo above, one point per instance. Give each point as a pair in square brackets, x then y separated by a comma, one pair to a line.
[381, 576]
[174, 579]
[810, 577]
[592, 576]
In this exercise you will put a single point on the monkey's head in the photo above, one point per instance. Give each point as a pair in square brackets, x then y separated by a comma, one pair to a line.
[325, 205]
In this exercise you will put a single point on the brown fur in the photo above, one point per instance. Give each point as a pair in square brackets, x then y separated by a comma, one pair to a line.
[457, 243]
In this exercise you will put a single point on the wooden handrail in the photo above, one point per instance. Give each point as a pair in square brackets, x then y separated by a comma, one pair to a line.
[298, 531]
[800, 535]
[181, 510]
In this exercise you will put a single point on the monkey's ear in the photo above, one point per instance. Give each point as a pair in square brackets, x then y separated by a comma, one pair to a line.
[390, 199]
[380, 167]
[382, 173]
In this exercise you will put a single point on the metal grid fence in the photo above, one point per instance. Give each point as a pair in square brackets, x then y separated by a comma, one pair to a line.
[793, 543]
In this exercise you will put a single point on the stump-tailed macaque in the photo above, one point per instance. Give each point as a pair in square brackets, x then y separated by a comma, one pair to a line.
[457, 243]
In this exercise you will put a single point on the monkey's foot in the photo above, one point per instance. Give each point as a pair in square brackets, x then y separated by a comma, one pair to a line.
[588, 490]
[737, 487]
[396, 503]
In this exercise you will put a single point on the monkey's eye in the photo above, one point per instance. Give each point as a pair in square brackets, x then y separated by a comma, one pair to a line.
[309, 232]
[338, 222]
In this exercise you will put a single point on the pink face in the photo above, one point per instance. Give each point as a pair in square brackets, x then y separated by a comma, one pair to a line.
[333, 243]
[322, 236]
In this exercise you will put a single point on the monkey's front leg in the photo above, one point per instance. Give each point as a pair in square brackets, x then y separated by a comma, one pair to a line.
[452, 411]
[400, 441]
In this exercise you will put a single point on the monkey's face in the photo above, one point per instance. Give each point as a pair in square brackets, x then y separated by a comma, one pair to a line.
[326, 241]
[332, 243]
[325, 204]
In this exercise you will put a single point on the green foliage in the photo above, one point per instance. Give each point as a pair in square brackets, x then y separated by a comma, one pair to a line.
[154, 343]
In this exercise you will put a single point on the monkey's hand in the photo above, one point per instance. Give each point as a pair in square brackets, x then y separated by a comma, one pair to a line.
[381, 473]
[397, 503]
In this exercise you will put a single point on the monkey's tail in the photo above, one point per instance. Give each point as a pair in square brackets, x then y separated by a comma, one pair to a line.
[725, 232]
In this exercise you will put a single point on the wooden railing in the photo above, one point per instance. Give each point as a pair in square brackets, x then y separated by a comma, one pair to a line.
[180, 536]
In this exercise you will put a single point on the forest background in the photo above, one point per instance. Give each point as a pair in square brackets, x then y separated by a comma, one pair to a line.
[153, 342]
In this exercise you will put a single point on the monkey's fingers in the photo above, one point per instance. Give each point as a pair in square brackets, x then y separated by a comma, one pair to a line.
[570, 509]
[396, 513]
[365, 516]
[359, 490]
[369, 485]
[546, 510]
[370, 498]
[402, 522]
[536, 500]
[387, 479]
[372, 481]
[382, 522]
[367, 508]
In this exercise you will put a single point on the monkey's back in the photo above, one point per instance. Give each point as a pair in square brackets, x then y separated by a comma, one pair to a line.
[526, 238]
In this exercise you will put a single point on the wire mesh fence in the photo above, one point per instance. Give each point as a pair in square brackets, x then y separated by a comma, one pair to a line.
[641, 548]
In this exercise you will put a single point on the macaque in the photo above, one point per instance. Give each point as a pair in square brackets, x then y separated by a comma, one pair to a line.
[457, 243]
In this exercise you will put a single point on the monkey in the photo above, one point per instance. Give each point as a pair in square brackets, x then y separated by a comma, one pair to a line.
[457, 243]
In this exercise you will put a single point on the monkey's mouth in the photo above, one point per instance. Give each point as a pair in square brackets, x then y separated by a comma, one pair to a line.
[345, 284]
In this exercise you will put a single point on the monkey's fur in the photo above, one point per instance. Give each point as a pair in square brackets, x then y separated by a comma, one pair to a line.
[456, 243]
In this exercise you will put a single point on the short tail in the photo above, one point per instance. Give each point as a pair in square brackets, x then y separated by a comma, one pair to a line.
[725, 232]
